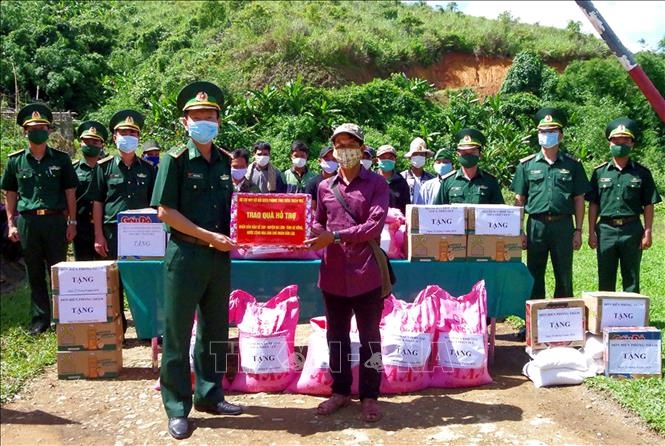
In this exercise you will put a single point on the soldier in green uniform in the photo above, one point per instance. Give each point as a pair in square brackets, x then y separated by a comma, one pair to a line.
[40, 199]
[469, 184]
[123, 182]
[92, 135]
[621, 190]
[193, 196]
[551, 185]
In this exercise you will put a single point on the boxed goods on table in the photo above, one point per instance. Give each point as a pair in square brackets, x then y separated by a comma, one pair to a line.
[141, 235]
[632, 352]
[615, 309]
[555, 323]
[435, 219]
[496, 248]
[436, 248]
[94, 336]
[89, 364]
[494, 219]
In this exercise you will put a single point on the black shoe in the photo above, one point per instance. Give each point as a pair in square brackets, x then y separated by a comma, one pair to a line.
[39, 327]
[521, 335]
[221, 408]
[179, 427]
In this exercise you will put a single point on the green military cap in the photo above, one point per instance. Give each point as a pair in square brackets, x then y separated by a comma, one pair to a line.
[443, 154]
[200, 95]
[34, 114]
[622, 127]
[92, 129]
[470, 137]
[550, 118]
[126, 119]
[149, 145]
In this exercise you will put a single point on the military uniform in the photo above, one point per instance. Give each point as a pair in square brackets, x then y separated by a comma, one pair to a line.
[197, 274]
[40, 187]
[550, 190]
[84, 242]
[120, 188]
[483, 188]
[621, 196]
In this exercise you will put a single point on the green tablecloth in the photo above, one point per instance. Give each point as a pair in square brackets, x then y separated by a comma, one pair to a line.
[508, 285]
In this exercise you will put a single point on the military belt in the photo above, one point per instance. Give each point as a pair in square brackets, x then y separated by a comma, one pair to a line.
[43, 212]
[549, 217]
[188, 239]
[619, 221]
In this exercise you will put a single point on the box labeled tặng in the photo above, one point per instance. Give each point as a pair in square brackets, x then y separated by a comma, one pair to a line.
[89, 364]
[615, 309]
[633, 352]
[435, 219]
[494, 219]
[436, 248]
[86, 308]
[141, 235]
[555, 323]
[493, 248]
[95, 336]
[98, 277]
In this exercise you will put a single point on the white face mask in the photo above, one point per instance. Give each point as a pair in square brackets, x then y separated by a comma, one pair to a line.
[126, 143]
[299, 162]
[262, 160]
[366, 163]
[548, 140]
[329, 166]
[238, 174]
[418, 161]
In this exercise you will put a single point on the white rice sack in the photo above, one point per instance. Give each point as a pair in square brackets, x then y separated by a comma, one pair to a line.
[552, 377]
[594, 347]
[560, 358]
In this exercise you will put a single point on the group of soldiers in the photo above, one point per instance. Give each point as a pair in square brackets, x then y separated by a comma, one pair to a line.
[51, 201]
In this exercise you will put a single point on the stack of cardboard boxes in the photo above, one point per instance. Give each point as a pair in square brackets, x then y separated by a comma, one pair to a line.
[475, 233]
[632, 348]
[86, 310]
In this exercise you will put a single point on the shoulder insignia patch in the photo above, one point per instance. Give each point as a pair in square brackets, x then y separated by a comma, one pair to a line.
[104, 160]
[600, 165]
[571, 156]
[449, 174]
[76, 162]
[527, 158]
[177, 151]
[18, 152]
[224, 152]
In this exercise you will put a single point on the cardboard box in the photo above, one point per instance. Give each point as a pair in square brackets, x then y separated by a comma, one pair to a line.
[97, 336]
[435, 219]
[86, 308]
[633, 352]
[436, 248]
[494, 248]
[141, 235]
[555, 323]
[494, 219]
[71, 278]
[89, 364]
[615, 309]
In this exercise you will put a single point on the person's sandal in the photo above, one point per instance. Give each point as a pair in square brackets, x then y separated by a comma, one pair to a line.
[333, 404]
[370, 410]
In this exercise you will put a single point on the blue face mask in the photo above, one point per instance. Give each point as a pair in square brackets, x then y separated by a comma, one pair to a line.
[126, 143]
[202, 131]
[387, 165]
[548, 140]
[442, 168]
[153, 159]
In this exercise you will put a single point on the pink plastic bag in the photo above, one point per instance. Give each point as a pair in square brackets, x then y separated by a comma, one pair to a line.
[460, 356]
[407, 332]
[266, 335]
[396, 229]
[315, 377]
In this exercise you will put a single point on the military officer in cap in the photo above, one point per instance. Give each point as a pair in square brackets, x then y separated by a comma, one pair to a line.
[193, 197]
[469, 184]
[40, 199]
[123, 182]
[150, 151]
[92, 135]
[551, 185]
[621, 190]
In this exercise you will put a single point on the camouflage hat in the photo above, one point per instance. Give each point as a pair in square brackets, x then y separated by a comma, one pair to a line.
[126, 119]
[324, 151]
[622, 127]
[92, 129]
[200, 95]
[416, 146]
[443, 154]
[549, 118]
[469, 137]
[351, 129]
[386, 148]
[34, 114]
[150, 145]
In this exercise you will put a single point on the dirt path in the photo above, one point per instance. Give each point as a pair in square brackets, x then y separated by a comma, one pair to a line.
[128, 411]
